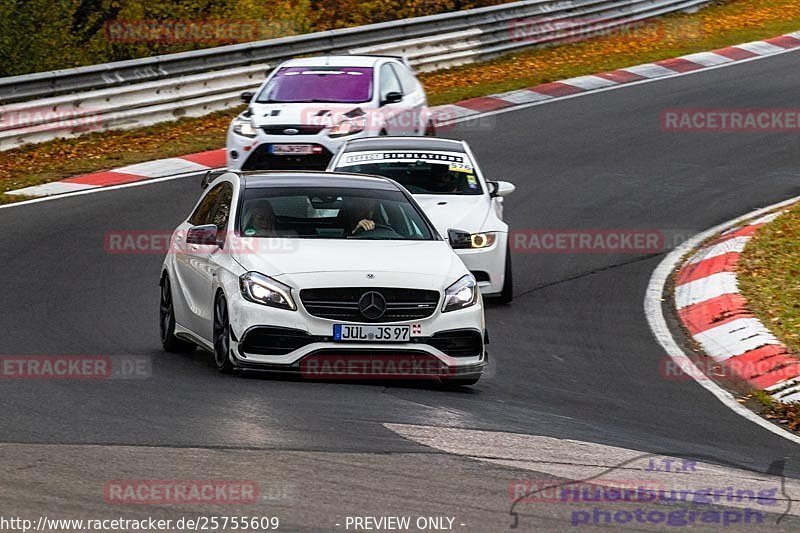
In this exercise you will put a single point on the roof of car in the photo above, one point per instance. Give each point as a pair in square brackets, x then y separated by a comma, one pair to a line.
[334, 61]
[404, 143]
[260, 179]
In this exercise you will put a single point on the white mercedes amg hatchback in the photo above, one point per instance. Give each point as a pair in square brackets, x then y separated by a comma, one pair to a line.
[327, 275]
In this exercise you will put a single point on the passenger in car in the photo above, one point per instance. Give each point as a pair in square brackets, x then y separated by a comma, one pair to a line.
[261, 222]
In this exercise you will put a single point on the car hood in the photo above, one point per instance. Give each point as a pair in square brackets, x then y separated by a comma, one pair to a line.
[466, 213]
[339, 262]
[319, 114]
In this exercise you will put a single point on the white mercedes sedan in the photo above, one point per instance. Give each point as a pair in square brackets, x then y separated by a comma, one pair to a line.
[328, 275]
[445, 179]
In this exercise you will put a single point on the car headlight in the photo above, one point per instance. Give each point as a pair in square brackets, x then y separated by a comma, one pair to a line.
[473, 241]
[244, 127]
[482, 240]
[264, 290]
[346, 127]
[463, 293]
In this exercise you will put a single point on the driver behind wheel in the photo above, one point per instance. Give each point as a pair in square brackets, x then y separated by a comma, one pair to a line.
[359, 214]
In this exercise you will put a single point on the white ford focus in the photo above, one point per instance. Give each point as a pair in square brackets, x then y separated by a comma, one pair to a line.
[307, 107]
[329, 275]
[445, 179]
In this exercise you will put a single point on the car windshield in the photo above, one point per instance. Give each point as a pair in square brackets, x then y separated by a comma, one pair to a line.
[330, 213]
[419, 172]
[346, 85]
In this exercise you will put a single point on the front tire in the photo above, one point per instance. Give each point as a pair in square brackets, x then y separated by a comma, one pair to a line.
[166, 321]
[507, 294]
[222, 335]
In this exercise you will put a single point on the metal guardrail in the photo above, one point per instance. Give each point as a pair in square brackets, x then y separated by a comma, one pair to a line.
[126, 106]
[139, 92]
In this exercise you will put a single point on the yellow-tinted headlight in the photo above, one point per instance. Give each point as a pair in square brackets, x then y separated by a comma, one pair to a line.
[483, 240]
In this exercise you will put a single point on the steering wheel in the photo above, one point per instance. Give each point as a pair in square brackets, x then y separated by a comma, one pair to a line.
[390, 231]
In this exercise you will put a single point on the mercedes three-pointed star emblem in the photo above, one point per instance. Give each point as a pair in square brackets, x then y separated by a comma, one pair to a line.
[372, 305]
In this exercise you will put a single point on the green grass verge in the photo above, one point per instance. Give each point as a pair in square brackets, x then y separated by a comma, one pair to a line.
[769, 276]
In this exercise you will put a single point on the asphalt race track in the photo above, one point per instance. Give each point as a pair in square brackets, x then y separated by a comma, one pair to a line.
[573, 357]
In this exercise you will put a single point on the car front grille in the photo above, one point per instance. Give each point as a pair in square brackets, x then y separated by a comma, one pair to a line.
[268, 340]
[343, 303]
[262, 159]
[301, 129]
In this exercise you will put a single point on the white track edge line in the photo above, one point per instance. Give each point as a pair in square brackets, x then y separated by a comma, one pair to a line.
[658, 324]
[612, 88]
[144, 181]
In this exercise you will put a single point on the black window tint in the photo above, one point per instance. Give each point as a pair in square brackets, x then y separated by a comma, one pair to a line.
[202, 214]
[389, 83]
[223, 209]
[332, 213]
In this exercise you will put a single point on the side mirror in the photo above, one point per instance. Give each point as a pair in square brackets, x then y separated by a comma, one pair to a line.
[392, 98]
[247, 96]
[459, 238]
[205, 235]
[500, 188]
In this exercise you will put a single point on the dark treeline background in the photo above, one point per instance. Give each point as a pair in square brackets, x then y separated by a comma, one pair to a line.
[41, 35]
